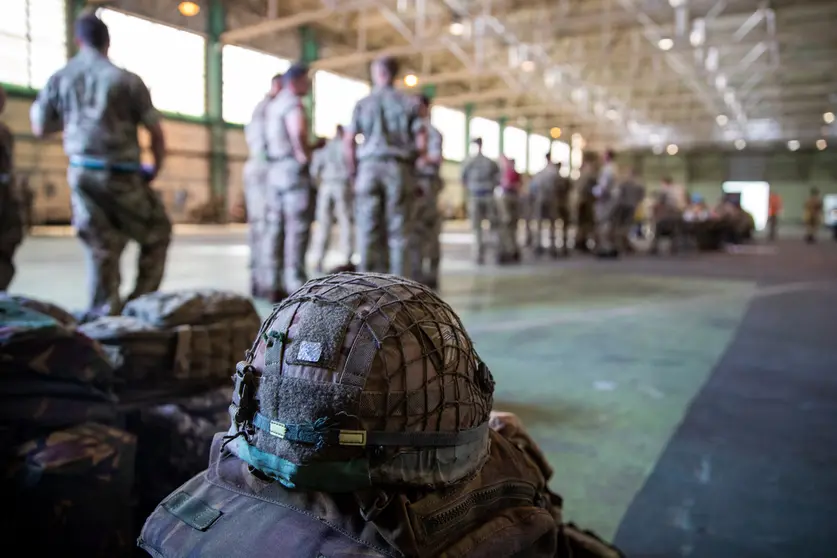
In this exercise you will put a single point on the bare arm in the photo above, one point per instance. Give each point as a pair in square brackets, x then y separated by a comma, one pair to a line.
[45, 115]
[297, 125]
[151, 119]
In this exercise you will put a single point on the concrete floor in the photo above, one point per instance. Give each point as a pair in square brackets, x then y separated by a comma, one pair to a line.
[686, 403]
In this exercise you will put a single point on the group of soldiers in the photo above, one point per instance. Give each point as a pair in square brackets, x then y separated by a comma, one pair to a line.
[384, 170]
[605, 207]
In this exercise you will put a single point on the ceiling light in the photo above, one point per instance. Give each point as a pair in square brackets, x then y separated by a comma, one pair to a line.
[721, 119]
[456, 28]
[740, 144]
[821, 144]
[672, 149]
[698, 34]
[359, 139]
[793, 145]
[721, 82]
[575, 174]
[665, 44]
[527, 66]
[676, 3]
[555, 133]
[410, 80]
[828, 117]
[188, 9]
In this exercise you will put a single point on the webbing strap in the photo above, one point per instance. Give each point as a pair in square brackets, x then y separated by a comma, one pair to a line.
[364, 348]
[322, 434]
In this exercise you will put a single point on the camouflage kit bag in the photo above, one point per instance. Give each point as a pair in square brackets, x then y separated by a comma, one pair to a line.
[174, 442]
[70, 493]
[52, 376]
[176, 339]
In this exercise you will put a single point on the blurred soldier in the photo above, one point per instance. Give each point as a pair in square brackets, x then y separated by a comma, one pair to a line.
[480, 175]
[631, 195]
[11, 227]
[319, 461]
[255, 190]
[812, 215]
[289, 201]
[543, 194]
[667, 217]
[334, 198]
[585, 215]
[607, 200]
[384, 162]
[774, 209]
[99, 107]
[508, 212]
[426, 249]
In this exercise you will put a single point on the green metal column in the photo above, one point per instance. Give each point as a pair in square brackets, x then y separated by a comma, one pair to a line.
[310, 50]
[469, 112]
[502, 122]
[218, 171]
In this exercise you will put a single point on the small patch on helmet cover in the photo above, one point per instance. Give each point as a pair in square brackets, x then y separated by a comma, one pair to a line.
[309, 351]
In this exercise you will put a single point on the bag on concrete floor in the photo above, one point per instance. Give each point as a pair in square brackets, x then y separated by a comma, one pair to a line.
[68, 493]
[174, 440]
[170, 340]
[51, 377]
[59, 314]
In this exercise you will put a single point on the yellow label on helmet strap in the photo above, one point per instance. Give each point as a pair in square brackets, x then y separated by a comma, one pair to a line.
[352, 438]
[277, 429]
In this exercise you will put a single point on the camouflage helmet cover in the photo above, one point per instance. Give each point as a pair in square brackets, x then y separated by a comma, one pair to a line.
[361, 380]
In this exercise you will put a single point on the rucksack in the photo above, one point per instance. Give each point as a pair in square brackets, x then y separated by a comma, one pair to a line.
[51, 376]
[178, 340]
[69, 493]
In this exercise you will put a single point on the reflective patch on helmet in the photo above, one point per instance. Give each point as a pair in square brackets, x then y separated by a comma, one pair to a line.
[310, 351]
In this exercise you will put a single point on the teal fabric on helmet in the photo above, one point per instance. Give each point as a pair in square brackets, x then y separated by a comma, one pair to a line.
[329, 476]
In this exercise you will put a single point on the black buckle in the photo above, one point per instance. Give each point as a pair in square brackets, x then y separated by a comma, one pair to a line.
[245, 393]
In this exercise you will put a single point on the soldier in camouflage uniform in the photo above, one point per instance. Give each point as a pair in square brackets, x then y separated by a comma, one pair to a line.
[631, 195]
[480, 175]
[361, 425]
[607, 198]
[426, 248]
[99, 107]
[385, 182]
[334, 198]
[585, 214]
[289, 203]
[11, 227]
[255, 189]
[550, 192]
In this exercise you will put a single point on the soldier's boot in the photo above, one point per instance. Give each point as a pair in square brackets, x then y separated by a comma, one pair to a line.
[553, 253]
[538, 250]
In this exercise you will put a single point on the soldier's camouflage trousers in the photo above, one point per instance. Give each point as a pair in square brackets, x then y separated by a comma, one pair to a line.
[623, 221]
[550, 212]
[481, 208]
[508, 212]
[108, 210]
[606, 226]
[384, 196]
[586, 224]
[255, 194]
[425, 246]
[11, 232]
[334, 202]
[289, 206]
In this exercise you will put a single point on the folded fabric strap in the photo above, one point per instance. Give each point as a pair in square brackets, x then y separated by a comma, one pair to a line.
[321, 433]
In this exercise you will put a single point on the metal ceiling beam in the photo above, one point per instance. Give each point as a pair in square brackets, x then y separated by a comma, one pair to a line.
[357, 58]
[476, 97]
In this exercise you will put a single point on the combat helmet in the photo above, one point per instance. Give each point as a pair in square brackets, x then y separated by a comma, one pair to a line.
[359, 380]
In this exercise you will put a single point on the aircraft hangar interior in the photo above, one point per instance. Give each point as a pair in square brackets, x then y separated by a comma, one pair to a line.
[628, 204]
